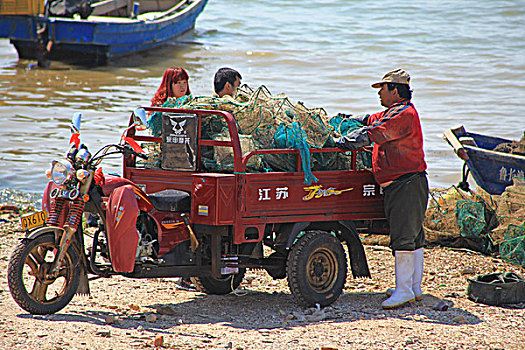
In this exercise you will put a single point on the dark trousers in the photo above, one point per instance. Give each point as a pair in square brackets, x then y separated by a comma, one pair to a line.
[405, 205]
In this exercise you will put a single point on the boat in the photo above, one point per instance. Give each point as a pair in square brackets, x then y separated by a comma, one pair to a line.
[82, 32]
[492, 169]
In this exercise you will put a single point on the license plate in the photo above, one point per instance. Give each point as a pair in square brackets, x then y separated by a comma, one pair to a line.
[34, 220]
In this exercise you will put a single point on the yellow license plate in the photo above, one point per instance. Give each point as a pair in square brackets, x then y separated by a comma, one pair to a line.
[34, 220]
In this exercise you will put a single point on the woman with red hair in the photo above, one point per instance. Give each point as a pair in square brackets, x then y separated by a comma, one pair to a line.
[172, 92]
[174, 84]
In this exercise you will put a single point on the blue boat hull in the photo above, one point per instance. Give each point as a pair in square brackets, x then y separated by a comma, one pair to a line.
[95, 42]
[493, 171]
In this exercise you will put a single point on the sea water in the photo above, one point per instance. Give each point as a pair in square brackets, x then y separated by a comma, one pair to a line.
[466, 59]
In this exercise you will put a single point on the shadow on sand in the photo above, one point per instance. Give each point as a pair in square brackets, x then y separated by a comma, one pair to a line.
[256, 310]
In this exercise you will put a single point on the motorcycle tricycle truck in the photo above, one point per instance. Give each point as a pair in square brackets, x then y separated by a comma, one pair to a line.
[177, 219]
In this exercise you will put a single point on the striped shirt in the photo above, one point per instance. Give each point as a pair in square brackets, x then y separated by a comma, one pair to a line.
[398, 142]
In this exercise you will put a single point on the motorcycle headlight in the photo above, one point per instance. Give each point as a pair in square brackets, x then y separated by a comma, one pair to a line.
[61, 171]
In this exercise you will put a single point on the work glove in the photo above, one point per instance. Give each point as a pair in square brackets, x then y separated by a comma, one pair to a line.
[362, 118]
[354, 139]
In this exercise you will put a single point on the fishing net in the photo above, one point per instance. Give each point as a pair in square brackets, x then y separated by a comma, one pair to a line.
[153, 150]
[511, 206]
[476, 219]
[471, 218]
[440, 218]
[460, 219]
[479, 221]
[512, 248]
[342, 126]
[265, 121]
[513, 147]
[511, 213]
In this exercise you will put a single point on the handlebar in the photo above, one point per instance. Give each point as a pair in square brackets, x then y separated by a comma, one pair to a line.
[127, 150]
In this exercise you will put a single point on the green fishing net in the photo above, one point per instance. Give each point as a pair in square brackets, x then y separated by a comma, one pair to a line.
[471, 218]
[475, 220]
[512, 248]
[265, 121]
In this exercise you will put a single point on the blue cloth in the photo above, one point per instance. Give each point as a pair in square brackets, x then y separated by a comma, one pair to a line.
[155, 120]
[293, 136]
[344, 125]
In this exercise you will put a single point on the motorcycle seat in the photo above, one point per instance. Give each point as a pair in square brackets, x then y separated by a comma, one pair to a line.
[171, 200]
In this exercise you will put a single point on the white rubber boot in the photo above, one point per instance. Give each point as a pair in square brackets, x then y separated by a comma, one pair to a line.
[404, 270]
[417, 277]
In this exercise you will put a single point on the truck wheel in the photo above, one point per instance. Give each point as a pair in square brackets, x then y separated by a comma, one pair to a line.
[29, 284]
[316, 269]
[219, 286]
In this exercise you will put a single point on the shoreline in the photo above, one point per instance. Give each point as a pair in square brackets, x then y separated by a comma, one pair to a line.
[24, 200]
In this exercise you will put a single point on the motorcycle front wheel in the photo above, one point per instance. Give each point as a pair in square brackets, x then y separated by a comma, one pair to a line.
[29, 283]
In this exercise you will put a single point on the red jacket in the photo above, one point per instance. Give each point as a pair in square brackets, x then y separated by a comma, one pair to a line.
[398, 142]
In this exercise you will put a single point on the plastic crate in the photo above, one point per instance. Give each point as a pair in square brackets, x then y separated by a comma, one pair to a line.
[21, 7]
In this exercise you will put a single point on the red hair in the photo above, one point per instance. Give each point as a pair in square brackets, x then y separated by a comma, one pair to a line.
[165, 90]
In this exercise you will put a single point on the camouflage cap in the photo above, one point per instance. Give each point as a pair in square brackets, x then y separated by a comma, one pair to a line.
[398, 76]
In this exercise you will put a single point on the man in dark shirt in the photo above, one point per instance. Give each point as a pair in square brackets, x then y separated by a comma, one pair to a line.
[226, 81]
[398, 165]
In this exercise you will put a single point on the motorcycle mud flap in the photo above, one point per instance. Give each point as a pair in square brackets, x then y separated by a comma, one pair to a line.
[358, 260]
[83, 285]
[123, 236]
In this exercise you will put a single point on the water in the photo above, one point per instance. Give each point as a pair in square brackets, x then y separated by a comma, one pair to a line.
[466, 59]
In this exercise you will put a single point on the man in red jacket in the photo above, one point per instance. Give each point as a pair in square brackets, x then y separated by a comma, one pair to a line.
[398, 164]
